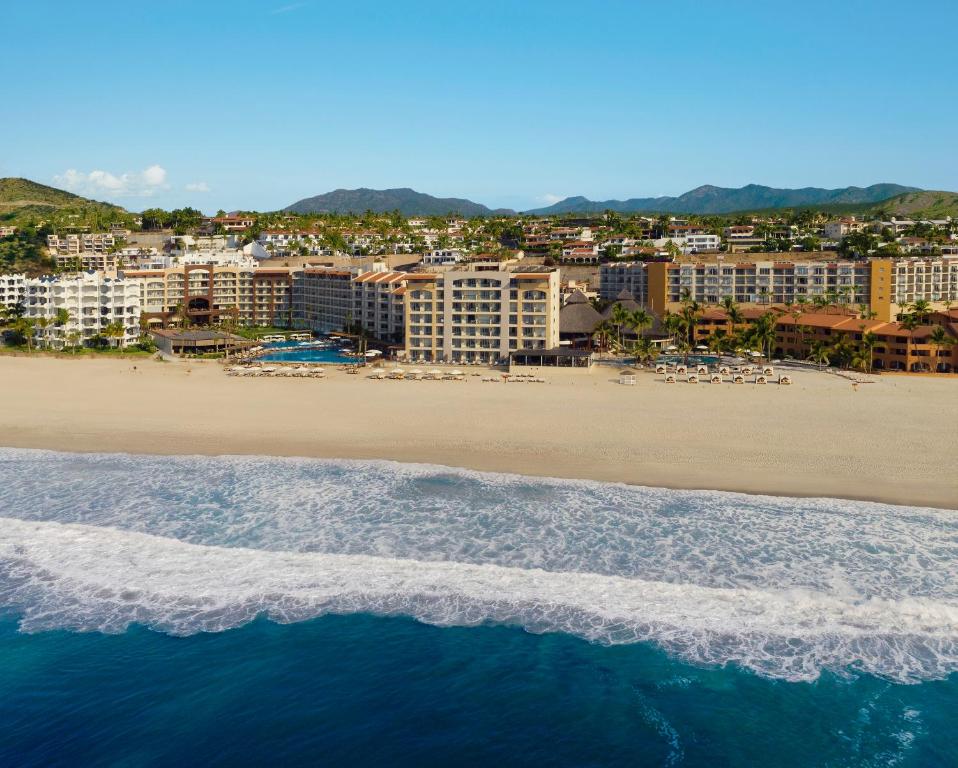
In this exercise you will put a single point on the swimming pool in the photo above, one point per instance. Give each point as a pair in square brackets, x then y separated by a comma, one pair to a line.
[693, 359]
[284, 352]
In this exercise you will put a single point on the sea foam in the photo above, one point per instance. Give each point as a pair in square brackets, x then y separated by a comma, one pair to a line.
[784, 587]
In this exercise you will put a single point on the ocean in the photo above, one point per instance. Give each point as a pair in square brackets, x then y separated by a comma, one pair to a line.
[252, 610]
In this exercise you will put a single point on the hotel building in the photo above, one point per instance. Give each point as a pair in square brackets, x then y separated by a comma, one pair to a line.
[210, 293]
[896, 348]
[329, 299]
[480, 314]
[92, 301]
[768, 279]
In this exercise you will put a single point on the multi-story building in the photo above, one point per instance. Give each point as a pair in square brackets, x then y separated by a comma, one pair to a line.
[932, 279]
[92, 302]
[329, 299]
[7, 231]
[836, 230]
[209, 293]
[323, 299]
[73, 245]
[480, 314]
[378, 303]
[895, 347]
[87, 261]
[12, 289]
[765, 279]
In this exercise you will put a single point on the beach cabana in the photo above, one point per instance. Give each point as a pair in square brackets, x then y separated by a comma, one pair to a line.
[578, 319]
[627, 377]
[715, 379]
[784, 379]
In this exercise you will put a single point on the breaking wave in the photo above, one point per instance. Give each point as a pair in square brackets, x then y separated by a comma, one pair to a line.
[784, 587]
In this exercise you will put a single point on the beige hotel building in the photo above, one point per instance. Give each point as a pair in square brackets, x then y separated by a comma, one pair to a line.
[480, 314]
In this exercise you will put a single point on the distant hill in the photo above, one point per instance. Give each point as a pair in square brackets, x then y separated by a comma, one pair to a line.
[708, 199]
[407, 201]
[929, 203]
[21, 199]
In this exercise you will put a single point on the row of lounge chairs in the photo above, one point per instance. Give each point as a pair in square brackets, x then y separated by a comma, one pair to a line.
[521, 378]
[724, 370]
[283, 371]
[399, 374]
[716, 378]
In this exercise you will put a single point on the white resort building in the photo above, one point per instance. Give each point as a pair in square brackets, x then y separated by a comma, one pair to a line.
[92, 303]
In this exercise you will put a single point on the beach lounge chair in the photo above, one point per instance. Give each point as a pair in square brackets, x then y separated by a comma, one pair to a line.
[693, 379]
[760, 379]
[768, 370]
[738, 379]
[681, 370]
[715, 379]
[660, 368]
[724, 370]
[702, 370]
[670, 378]
[784, 379]
[746, 370]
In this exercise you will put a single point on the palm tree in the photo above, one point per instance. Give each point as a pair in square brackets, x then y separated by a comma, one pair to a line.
[921, 309]
[866, 348]
[940, 340]
[644, 349]
[23, 327]
[620, 317]
[73, 339]
[43, 323]
[639, 320]
[763, 334]
[115, 330]
[820, 354]
[866, 313]
[902, 311]
[603, 335]
[843, 352]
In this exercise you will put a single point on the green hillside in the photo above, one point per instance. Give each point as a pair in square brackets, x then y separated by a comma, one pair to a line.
[929, 204]
[25, 202]
[23, 192]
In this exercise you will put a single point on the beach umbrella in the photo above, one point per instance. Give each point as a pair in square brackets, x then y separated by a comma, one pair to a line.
[702, 346]
[671, 348]
[416, 371]
[756, 354]
[397, 370]
[435, 372]
[373, 353]
[457, 372]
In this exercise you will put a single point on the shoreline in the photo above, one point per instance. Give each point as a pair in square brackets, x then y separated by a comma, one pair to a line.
[887, 442]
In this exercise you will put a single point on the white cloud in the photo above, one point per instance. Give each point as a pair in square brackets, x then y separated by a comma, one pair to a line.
[549, 199]
[198, 186]
[142, 184]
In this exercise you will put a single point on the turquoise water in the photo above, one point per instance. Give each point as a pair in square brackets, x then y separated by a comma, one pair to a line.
[244, 610]
[303, 354]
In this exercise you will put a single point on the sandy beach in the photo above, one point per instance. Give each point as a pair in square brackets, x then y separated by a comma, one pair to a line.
[892, 440]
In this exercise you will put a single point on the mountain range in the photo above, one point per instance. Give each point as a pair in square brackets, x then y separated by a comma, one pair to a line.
[407, 201]
[752, 197]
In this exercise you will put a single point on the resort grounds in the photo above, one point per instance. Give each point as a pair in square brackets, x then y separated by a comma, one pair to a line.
[890, 440]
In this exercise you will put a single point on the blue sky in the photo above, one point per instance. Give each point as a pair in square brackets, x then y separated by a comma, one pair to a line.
[258, 103]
